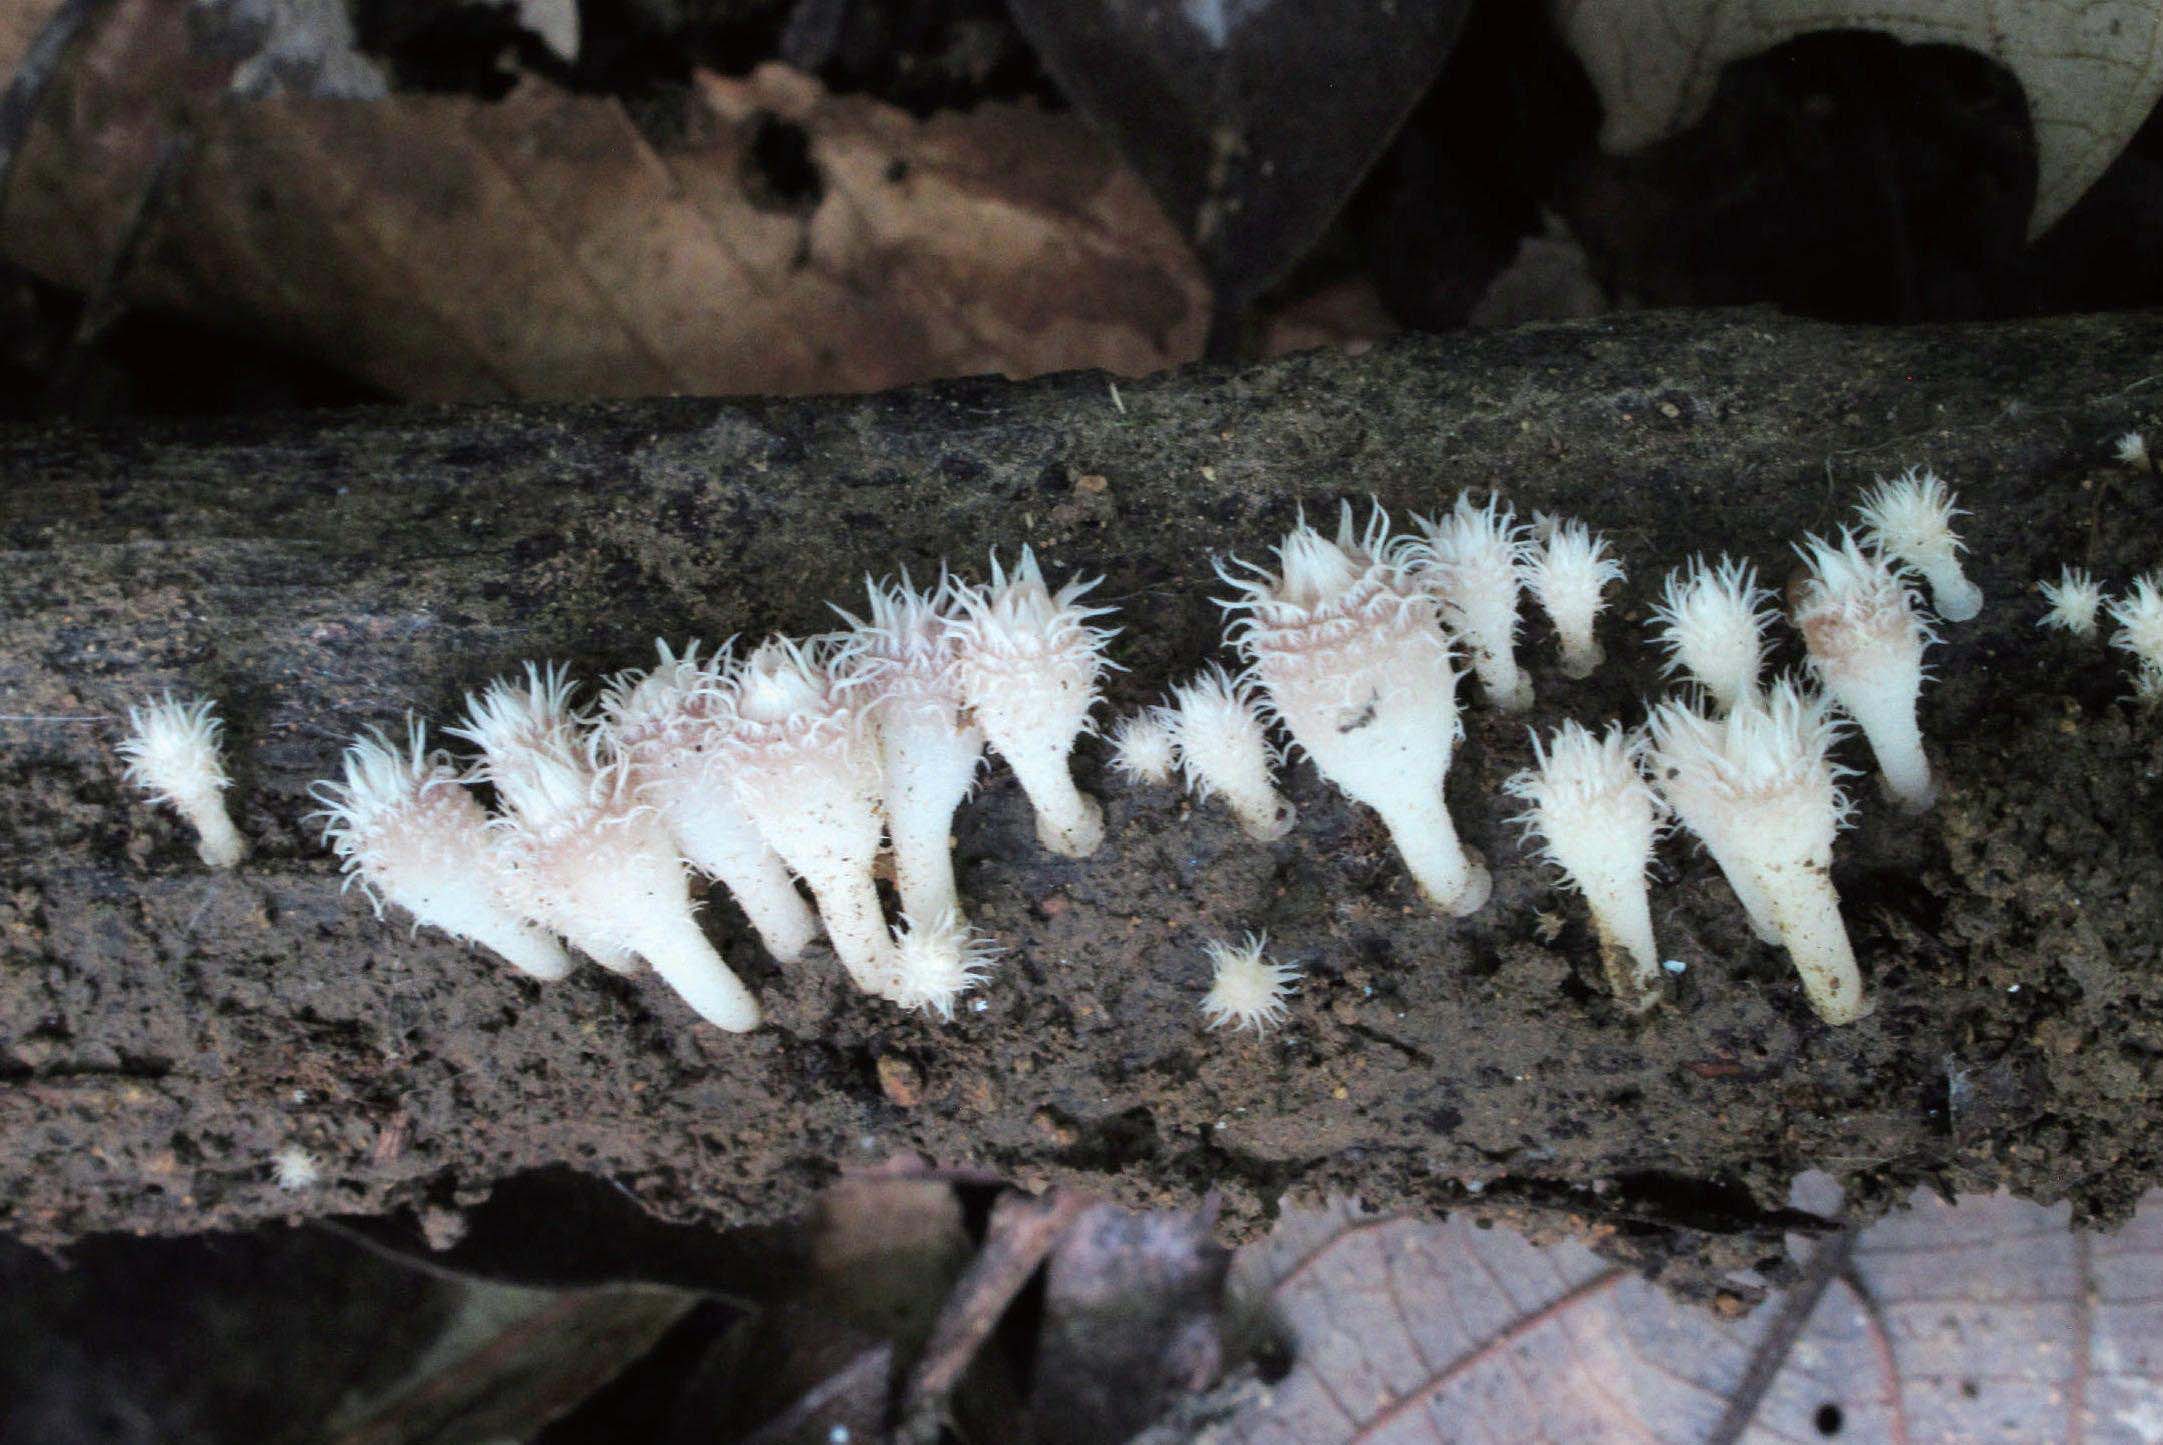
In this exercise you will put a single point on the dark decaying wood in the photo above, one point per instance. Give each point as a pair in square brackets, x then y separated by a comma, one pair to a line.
[165, 1031]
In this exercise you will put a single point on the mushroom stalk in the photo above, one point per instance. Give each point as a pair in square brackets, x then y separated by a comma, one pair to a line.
[1911, 517]
[1866, 643]
[172, 754]
[1348, 647]
[807, 772]
[1471, 560]
[1218, 733]
[667, 725]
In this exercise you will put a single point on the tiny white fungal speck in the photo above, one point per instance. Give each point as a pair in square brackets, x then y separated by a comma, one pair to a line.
[1675, 965]
[1142, 747]
[1246, 990]
[2132, 449]
[295, 1169]
[2074, 600]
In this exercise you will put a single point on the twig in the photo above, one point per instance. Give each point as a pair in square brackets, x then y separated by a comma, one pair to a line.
[106, 304]
[19, 102]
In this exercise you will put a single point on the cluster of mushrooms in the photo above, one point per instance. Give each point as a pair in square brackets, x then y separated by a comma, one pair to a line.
[803, 760]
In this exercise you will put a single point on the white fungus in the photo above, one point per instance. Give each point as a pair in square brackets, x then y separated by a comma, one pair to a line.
[1031, 662]
[1216, 725]
[1566, 574]
[1761, 791]
[1246, 988]
[582, 855]
[1142, 747]
[171, 752]
[806, 768]
[409, 833]
[1348, 648]
[2139, 615]
[2131, 449]
[1712, 620]
[667, 725]
[1471, 559]
[2073, 601]
[1866, 641]
[1597, 820]
[907, 660]
[1911, 518]
[937, 962]
[294, 1169]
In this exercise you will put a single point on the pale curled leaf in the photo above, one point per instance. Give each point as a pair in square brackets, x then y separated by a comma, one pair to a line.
[2091, 69]
[1990, 1322]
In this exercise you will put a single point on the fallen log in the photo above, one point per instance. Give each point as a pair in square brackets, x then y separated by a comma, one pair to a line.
[166, 1031]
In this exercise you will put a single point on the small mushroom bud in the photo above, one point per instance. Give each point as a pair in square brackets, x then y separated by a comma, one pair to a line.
[171, 752]
[1866, 643]
[2073, 601]
[800, 754]
[1911, 518]
[2139, 615]
[1712, 623]
[582, 855]
[906, 662]
[1470, 559]
[1142, 747]
[1566, 573]
[1247, 989]
[1597, 819]
[1030, 665]
[1348, 647]
[1760, 790]
[1216, 725]
[667, 725]
[936, 963]
[408, 832]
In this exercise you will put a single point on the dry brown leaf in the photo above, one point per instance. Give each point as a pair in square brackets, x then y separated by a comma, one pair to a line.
[2091, 69]
[444, 247]
[20, 23]
[1992, 1322]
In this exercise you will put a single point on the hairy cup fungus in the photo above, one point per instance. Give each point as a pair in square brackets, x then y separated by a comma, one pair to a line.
[666, 726]
[1911, 518]
[1348, 648]
[1142, 747]
[171, 752]
[1030, 664]
[581, 854]
[1470, 557]
[1216, 724]
[1566, 573]
[1759, 789]
[2139, 615]
[905, 660]
[1246, 989]
[800, 754]
[1597, 820]
[2073, 601]
[1866, 643]
[1711, 620]
[409, 833]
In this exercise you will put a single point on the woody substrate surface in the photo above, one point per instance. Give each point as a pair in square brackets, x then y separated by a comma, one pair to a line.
[164, 1031]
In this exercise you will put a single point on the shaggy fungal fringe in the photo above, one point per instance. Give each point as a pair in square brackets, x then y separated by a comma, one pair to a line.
[1866, 641]
[1712, 622]
[171, 752]
[1760, 790]
[1566, 574]
[409, 833]
[1471, 559]
[1347, 646]
[1142, 747]
[907, 662]
[1597, 819]
[1216, 726]
[666, 725]
[2131, 449]
[580, 854]
[2139, 615]
[805, 766]
[294, 1169]
[1911, 518]
[1246, 989]
[935, 965]
[1031, 663]
[2073, 601]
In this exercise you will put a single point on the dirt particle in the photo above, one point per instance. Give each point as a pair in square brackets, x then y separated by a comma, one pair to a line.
[901, 1081]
